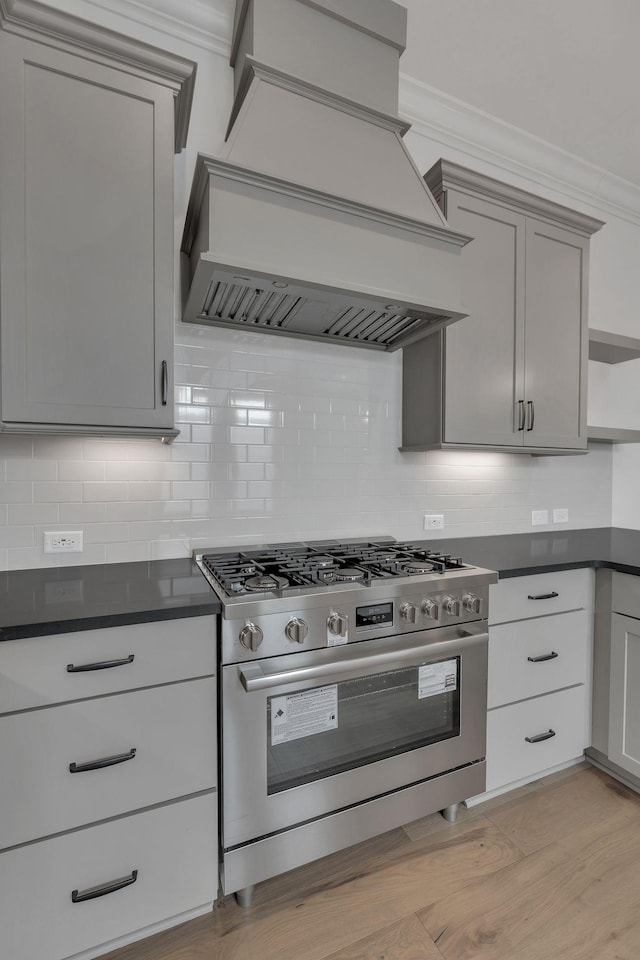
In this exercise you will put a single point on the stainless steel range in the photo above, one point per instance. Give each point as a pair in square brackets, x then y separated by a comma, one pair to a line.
[353, 695]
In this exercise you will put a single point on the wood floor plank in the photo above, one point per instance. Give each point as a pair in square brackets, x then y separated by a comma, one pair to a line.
[600, 922]
[405, 940]
[488, 920]
[546, 816]
[336, 917]
[553, 873]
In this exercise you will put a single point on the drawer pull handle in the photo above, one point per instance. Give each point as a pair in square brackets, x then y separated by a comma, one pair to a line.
[545, 656]
[539, 737]
[103, 762]
[92, 893]
[543, 596]
[102, 665]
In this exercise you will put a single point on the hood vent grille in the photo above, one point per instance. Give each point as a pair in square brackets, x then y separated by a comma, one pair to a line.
[252, 306]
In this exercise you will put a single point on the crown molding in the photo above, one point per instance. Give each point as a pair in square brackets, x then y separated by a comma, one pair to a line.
[203, 23]
[35, 20]
[480, 136]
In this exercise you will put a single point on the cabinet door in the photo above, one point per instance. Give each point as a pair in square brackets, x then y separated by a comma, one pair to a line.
[86, 170]
[556, 336]
[624, 703]
[484, 352]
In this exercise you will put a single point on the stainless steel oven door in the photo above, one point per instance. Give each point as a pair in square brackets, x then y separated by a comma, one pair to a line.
[309, 734]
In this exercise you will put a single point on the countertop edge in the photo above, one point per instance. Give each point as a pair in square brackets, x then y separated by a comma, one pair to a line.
[55, 627]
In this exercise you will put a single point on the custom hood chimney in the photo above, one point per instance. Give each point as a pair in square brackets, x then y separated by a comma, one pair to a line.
[316, 222]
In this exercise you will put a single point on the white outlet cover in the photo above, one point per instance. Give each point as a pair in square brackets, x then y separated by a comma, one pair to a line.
[539, 518]
[63, 541]
[561, 515]
[434, 521]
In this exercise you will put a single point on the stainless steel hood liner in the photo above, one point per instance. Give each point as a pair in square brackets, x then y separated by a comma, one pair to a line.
[316, 223]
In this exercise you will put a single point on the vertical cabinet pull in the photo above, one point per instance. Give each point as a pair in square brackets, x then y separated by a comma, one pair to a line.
[531, 415]
[520, 415]
[102, 762]
[79, 896]
[101, 665]
[164, 376]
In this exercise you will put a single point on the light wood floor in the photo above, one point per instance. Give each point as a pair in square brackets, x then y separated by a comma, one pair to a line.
[552, 871]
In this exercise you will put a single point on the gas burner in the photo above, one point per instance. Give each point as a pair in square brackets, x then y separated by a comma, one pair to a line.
[265, 582]
[418, 566]
[349, 575]
[321, 561]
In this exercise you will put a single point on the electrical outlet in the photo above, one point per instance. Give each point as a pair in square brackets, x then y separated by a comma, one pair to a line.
[561, 515]
[63, 541]
[539, 518]
[434, 521]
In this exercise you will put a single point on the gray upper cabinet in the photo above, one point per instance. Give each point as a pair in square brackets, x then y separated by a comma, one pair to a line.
[86, 234]
[512, 375]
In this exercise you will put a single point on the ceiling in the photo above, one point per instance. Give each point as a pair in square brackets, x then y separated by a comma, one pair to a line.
[566, 71]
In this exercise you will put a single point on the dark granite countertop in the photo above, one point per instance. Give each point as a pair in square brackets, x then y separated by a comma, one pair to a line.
[518, 554]
[64, 599]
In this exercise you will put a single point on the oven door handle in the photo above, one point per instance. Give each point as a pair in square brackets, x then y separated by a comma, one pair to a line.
[254, 678]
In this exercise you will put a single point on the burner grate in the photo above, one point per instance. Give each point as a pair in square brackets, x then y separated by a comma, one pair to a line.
[289, 567]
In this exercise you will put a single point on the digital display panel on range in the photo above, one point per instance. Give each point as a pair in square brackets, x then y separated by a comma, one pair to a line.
[374, 615]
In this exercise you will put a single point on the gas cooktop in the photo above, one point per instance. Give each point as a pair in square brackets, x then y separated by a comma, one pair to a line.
[289, 567]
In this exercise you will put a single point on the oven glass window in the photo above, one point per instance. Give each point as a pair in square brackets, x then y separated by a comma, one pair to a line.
[317, 733]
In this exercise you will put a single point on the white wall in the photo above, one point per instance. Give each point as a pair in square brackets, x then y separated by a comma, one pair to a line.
[282, 439]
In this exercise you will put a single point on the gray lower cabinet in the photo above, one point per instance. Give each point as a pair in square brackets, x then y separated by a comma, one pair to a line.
[86, 234]
[512, 375]
[624, 703]
[615, 733]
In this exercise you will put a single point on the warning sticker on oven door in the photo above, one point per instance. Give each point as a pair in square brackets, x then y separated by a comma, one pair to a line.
[304, 714]
[435, 678]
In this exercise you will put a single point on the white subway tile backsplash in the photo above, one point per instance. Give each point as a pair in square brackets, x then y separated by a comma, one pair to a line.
[280, 440]
[57, 492]
[81, 513]
[32, 513]
[104, 492]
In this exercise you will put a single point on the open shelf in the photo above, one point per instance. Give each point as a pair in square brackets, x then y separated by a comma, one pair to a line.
[612, 347]
[613, 435]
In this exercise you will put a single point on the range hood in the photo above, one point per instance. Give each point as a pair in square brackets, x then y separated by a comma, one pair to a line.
[316, 222]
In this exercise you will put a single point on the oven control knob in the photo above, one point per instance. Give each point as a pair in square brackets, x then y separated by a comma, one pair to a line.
[430, 609]
[451, 605]
[338, 624]
[409, 612]
[296, 630]
[471, 602]
[251, 636]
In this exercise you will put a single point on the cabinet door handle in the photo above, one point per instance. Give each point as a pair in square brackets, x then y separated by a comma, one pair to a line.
[102, 665]
[92, 893]
[520, 415]
[164, 376]
[539, 737]
[103, 762]
[543, 596]
[531, 415]
[545, 656]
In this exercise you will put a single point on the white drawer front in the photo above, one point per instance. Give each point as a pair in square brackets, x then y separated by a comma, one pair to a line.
[530, 657]
[511, 599]
[510, 757]
[172, 730]
[172, 848]
[33, 672]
